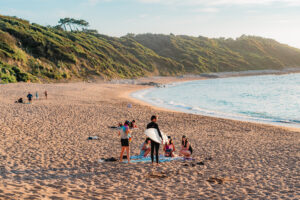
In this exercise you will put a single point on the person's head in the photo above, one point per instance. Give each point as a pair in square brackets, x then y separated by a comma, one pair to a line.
[126, 123]
[147, 141]
[133, 121]
[170, 140]
[120, 124]
[154, 118]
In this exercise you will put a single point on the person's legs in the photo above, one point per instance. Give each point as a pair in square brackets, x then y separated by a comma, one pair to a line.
[122, 152]
[147, 152]
[152, 151]
[128, 154]
[186, 153]
[156, 152]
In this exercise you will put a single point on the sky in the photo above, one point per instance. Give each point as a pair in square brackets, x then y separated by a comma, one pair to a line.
[276, 19]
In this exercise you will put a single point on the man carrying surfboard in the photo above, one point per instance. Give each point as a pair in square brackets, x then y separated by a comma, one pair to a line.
[154, 145]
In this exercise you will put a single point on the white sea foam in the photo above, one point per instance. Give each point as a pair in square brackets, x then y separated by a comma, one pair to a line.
[268, 98]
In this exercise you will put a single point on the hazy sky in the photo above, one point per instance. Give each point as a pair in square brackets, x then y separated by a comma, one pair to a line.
[278, 19]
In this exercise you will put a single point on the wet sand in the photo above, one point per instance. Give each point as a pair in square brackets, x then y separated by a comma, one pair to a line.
[45, 154]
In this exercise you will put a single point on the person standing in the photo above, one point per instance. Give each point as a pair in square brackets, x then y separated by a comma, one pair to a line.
[29, 97]
[154, 145]
[124, 131]
[36, 95]
[46, 94]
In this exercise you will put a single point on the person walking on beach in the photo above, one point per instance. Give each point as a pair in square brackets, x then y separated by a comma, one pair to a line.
[124, 131]
[29, 97]
[36, 95]
[46, 94]
[154, 145]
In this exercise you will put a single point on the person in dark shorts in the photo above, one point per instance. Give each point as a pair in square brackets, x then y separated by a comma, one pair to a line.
[46, 94]
[29, 97]
[154, 145]
[124, 131]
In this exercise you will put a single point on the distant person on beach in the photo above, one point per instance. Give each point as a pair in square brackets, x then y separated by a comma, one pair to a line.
[186, 148]
[169, 148]
[29, 97]
[46, 94]
[20, 100]
[132, 124]
[36, 95]
[154, 145]
[124, 131]
[145, 148]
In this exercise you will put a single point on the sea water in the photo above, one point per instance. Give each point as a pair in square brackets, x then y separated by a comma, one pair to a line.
[266, 98]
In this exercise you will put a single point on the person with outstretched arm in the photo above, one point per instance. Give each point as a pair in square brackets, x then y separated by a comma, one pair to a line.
[154, 145]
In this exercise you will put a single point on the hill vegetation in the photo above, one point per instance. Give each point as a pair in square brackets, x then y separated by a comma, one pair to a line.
[31, 52]
[201, 54]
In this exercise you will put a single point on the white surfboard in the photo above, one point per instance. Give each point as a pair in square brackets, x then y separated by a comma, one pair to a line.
[152, 133]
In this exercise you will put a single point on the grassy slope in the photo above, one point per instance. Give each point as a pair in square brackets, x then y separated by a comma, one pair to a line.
[33, 52]
[48, 53]
[201, 54]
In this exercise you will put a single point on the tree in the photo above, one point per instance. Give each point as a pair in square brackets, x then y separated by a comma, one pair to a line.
[72, 23]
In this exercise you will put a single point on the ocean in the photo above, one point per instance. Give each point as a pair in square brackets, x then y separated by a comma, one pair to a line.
[271, 99]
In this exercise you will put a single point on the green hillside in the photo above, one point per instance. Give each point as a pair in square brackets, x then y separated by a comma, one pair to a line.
[201, 54]
[33, 52]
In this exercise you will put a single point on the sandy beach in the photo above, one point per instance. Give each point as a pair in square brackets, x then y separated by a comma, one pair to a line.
[45, 154]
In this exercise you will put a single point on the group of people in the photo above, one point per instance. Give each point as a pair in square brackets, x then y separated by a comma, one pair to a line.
[150, 146]
[30, 97]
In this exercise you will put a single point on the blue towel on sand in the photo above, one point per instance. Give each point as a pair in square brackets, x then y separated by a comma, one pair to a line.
[162, 158]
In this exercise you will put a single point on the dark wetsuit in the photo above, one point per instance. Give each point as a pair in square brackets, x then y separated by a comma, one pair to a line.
[29, 96]
[154, 145]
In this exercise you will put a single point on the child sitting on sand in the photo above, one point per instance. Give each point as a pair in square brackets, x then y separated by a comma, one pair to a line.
[169, 148]
[20, 100]
[145, 148]
[186, 148]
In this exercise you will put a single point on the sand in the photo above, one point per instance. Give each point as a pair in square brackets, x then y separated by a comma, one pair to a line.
[45, 154]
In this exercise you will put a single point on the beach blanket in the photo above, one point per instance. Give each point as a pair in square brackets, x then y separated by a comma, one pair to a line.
[162, 158]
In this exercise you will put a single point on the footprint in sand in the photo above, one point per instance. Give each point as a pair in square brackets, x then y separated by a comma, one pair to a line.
[159, 175]
[221, 180]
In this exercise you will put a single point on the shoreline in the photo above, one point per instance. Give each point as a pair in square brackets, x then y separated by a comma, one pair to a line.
[212, 75]
[129, 95]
